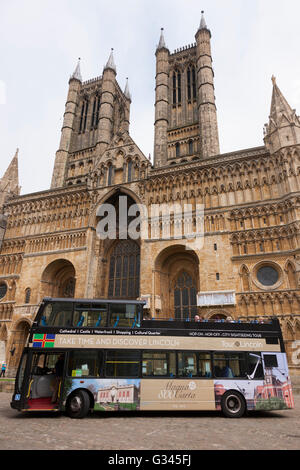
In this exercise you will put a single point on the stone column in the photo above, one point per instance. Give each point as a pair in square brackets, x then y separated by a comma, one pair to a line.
[161, 105]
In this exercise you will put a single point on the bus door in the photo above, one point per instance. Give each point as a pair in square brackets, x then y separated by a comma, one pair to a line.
[21, 381]
[45, 380]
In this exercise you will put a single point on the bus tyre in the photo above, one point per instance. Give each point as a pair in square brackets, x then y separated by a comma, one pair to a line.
[233, 404]
[78, 405]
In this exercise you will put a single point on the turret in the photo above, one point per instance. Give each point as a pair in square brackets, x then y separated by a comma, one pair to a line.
[283, 129]
[106, 113]
[207, 113]
[161, 103]
[60, 165]
[127, 95]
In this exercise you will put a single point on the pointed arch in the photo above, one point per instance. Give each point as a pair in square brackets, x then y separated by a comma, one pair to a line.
[291, 274]
[245, 278]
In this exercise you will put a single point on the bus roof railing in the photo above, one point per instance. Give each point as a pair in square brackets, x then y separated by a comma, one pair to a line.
[258, 319]
[254, 320]
[94, 301]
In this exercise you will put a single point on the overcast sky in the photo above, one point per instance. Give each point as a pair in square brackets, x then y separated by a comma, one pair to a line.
[40, 41]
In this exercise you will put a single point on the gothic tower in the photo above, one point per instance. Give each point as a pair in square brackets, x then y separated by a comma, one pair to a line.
[95, 111]
[207, 113]
[186, 126]
[67, 129]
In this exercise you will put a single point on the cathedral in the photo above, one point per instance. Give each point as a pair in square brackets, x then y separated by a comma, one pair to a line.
[248, 265]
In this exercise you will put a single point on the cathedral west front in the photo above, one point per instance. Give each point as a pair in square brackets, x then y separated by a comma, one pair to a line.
[248, 262]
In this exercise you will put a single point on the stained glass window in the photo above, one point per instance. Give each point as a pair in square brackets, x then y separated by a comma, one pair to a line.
[267, 276]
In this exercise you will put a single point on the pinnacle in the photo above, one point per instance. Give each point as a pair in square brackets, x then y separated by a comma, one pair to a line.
[111, 63]
[77, 73]
[126, 91]
[202, 22]
[279, 104]
[162, 43]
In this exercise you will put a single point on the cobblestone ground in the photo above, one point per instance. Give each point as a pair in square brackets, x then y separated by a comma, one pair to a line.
[169, 431]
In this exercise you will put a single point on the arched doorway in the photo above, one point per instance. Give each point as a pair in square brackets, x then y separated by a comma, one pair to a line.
[58, 279]
[177, 282]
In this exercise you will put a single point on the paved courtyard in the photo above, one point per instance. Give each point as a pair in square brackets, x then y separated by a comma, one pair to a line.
[169, 431]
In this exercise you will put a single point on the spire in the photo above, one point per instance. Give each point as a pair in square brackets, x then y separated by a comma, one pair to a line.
[279, 105]
[12, 172]
[111, 63]
[283, 129]
[126, 91]
[9, 183]
[77, 72]
[162, 43]
[202, 22]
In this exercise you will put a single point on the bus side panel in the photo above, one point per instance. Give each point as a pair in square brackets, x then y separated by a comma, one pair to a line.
[170, 394]
[277, 391]
[272, 393]
[109, 394]
[146, 394]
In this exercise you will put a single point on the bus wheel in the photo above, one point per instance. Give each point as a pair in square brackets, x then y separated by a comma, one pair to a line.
[233, 405]
[78, 405]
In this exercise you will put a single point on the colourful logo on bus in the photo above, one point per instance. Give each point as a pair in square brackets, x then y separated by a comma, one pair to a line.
[43, 340]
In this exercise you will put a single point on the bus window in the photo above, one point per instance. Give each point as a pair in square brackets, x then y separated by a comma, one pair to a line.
[158, 364]
[204, 365]
[187, 364]
[124, 315]
[57, 314]
[85, 364]
[122, 363]
[229, 365]
[46, 315]
[63, 315]
[270, 360]
[86, 317]
[41, 365]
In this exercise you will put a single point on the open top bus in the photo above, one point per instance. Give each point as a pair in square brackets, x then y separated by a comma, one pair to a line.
[87, 354]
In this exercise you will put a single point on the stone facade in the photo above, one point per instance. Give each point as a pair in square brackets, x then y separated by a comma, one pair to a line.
[249, 265]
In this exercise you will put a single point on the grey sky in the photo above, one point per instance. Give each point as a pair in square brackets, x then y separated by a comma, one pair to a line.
[40, 41]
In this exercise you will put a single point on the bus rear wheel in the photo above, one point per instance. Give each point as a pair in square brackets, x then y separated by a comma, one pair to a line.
[233, 405]
[78, 405]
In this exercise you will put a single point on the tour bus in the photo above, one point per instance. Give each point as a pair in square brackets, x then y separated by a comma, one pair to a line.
[87, 354]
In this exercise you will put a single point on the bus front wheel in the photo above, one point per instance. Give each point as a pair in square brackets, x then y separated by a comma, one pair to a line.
[78, 404]
[233, 405]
